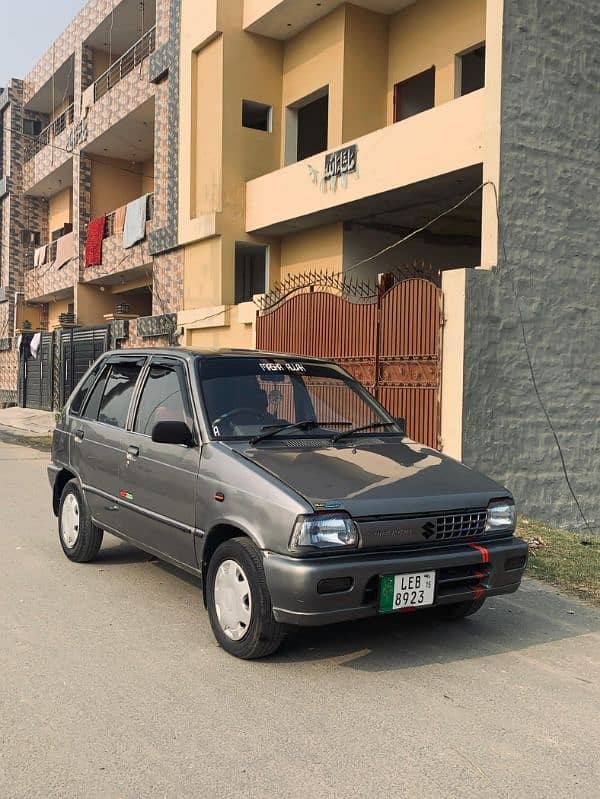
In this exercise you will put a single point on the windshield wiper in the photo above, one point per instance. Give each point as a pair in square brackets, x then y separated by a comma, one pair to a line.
[360, 429]
[305, 424]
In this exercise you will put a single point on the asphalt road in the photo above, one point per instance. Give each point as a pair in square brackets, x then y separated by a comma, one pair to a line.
[112, 686]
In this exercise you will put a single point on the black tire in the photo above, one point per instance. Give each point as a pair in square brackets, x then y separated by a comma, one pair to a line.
[89, 537]
[264, 635]
[460, 610]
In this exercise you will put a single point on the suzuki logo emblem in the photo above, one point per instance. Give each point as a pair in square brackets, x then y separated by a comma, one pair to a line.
[428, 530]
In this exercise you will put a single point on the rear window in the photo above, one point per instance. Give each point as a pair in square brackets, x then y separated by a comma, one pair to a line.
[80, 397]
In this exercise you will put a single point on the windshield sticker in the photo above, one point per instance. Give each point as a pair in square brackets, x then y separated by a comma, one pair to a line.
[282, 367]
[216, 431]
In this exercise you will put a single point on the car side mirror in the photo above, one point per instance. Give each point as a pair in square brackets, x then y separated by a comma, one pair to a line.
[401, 422]
[172, 433]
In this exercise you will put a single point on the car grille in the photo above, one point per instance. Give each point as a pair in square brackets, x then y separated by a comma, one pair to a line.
[460, 525]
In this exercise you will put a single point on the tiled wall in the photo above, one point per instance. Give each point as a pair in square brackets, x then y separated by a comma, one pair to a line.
[158, 77]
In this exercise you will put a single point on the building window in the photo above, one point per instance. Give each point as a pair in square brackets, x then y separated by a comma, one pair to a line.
[250, 271]
[32, 127]
[470, 68]
[307, 126]
[415, 95]
[257, 116]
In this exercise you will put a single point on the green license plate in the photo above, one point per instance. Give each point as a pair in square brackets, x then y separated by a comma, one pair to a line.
[400, 591]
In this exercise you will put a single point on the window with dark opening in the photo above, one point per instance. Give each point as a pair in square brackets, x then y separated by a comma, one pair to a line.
[472, 70]
[313, 127]
[257, 116]
[415, 95]
[32, 127]
[307, 126]
[250, 271]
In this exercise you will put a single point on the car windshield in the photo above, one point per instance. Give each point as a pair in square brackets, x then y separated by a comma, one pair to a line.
[248, 397]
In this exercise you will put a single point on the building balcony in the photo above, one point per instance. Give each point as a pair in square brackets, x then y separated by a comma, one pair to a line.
[444, 140]
[118, 263]
[50, 279]
[116, 94]
[136, 54]
[51, 132]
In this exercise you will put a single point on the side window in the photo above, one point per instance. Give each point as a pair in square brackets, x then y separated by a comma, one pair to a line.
[79, 399]
[161, 399]
[118, 392]
[90, 410]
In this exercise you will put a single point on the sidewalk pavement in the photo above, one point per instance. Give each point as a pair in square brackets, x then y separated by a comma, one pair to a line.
[27, 422]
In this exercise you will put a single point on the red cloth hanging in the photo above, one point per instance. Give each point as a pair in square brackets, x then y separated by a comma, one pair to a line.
[93, 245]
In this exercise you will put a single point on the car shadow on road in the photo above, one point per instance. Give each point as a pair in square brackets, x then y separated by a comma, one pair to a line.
[534, 616]
[119, 553]
[115, 552]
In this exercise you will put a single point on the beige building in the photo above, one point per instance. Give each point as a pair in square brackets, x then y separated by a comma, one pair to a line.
[407, 94]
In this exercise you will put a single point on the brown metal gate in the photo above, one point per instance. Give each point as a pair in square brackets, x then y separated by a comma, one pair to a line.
[391, 345]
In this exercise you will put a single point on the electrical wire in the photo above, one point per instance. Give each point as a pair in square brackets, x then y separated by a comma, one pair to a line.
[534, 382]
[416, 232]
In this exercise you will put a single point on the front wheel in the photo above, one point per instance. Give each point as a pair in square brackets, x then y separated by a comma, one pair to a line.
[79, 536]
[239, 603]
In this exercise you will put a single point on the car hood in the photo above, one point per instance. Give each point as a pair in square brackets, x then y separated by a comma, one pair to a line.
[376, 477]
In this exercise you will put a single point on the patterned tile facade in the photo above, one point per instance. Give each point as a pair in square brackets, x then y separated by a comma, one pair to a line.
[22, 214]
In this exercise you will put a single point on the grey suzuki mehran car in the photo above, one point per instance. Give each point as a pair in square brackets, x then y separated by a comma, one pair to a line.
[283, 485]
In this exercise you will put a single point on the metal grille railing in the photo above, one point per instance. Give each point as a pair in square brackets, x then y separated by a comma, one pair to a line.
[128, 61]
[51, 131]
[109, 225]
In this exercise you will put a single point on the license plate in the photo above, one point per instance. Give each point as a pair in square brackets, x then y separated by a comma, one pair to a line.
[399, 591]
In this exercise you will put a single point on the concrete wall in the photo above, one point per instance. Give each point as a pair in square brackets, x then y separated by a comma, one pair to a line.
[60, 209]
[114, 183]
[316, 250]
[550, 183]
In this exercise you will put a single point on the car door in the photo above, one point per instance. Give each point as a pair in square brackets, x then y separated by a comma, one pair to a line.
[96, 443]
[158, 481]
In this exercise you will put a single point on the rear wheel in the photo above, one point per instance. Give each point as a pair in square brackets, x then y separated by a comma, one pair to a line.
[460, 610]
[239, 603]
[79, 536]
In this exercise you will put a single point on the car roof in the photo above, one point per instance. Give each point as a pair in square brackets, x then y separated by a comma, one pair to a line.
[201, 352]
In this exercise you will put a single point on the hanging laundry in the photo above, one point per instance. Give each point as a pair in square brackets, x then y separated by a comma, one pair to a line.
[24, 345]
[120, 218]
[65, 250]
[93, 245]
[34, 344]
[39, 255]
[135, 222]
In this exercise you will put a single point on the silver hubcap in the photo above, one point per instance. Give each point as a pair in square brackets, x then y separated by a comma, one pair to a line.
[233, 600]
[70, 520]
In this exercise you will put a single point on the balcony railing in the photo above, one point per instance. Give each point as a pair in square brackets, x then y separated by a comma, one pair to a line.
[109, 225]
[128, 61]
[50, 255]
[51, 131]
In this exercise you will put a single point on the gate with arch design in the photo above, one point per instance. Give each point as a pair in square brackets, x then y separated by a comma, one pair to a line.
[389, 340]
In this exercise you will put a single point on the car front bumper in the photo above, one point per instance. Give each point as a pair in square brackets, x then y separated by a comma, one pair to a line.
[463, 572]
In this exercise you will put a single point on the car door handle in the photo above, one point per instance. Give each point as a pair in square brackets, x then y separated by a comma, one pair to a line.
[79, 435]
[133, 451]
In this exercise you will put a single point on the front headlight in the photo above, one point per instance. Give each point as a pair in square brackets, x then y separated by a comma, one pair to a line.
[501, 516]
[326, 531]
